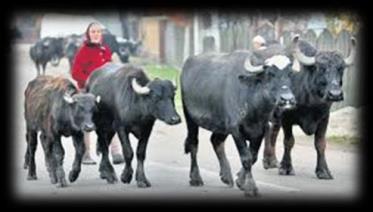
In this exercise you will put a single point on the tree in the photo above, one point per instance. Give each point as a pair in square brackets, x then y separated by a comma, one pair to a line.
[346, 20]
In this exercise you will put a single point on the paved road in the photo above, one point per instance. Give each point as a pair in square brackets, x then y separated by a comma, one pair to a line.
[167, 167]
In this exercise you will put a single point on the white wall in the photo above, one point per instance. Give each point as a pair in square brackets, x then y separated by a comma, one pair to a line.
[61, 24]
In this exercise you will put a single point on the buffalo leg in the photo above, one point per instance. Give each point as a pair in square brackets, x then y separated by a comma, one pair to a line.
[50, 161]
[269, 154]
[107, 171]
[191, 146]
[142, 182]
[37, 68]
[127, 173]
[286, 167]
[322, 170]
[31, 148]
[79, 145]
[245, 180]
[27, 155]
[44, 66]
[254, 148]
[217, 141]
[59, 154]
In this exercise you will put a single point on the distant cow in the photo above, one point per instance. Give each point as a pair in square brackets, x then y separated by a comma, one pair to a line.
[131, 103]
[316, 87]
[55, 108]
[130, 46]
[111, 41]
[124, 48]
[71, 45]
[234, 94]
[48, 49]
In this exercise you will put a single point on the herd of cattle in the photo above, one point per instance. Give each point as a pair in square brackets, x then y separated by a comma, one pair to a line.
[247, 94]
[53, 49]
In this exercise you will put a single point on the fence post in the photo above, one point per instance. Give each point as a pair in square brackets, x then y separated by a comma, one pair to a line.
[325, 41]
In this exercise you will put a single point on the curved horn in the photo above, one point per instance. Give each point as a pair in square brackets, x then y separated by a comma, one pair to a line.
[350, 59]
[142, 90]
[253, 69]
[302, 58]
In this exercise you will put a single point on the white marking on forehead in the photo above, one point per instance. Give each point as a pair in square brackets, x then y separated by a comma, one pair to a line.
[280, 61]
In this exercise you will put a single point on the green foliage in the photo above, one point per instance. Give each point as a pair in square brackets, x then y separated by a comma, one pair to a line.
[343, 20]
[343, 139]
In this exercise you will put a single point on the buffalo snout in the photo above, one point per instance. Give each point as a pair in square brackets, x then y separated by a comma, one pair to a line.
[335, 95]
[287, 100]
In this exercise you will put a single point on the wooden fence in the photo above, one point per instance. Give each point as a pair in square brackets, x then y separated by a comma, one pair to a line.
[239, 35]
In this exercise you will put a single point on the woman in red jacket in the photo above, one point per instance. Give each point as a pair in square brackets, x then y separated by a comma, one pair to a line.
[91, 55]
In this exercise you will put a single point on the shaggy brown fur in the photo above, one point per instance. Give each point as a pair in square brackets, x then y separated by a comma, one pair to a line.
[41, 93]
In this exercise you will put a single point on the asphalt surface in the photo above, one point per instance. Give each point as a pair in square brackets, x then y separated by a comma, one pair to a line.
[167, 167]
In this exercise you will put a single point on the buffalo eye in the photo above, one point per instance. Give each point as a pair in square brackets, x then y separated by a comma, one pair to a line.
[155, 96]
[341, 69]
[271, 73]
[244, 78]
[322, 82]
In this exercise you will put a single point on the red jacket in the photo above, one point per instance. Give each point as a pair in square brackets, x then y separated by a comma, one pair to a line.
[87, 59]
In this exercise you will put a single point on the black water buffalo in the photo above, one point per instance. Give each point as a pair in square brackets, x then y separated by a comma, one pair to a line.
[233, 94]
[111, 41]
[316, 86]
[53, 107]
[130, 103]
[129, 46]
[71, 45]
[48, 49]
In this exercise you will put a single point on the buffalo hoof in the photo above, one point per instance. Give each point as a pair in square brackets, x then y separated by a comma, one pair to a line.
[126, 176]
[143, 184]
[112, 179]
[270, 162]
[195, 178]
[251, 192]
[25, 166]
[250, 189]
[32, 177]
[324, 174]
[109, 177]
[240, 183]
[53, 179]
[226, 177]
[62, 184]
[196, 182]
[73, 175]
[286, 170]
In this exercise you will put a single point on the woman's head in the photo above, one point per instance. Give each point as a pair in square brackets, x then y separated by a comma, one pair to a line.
[94, 33]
